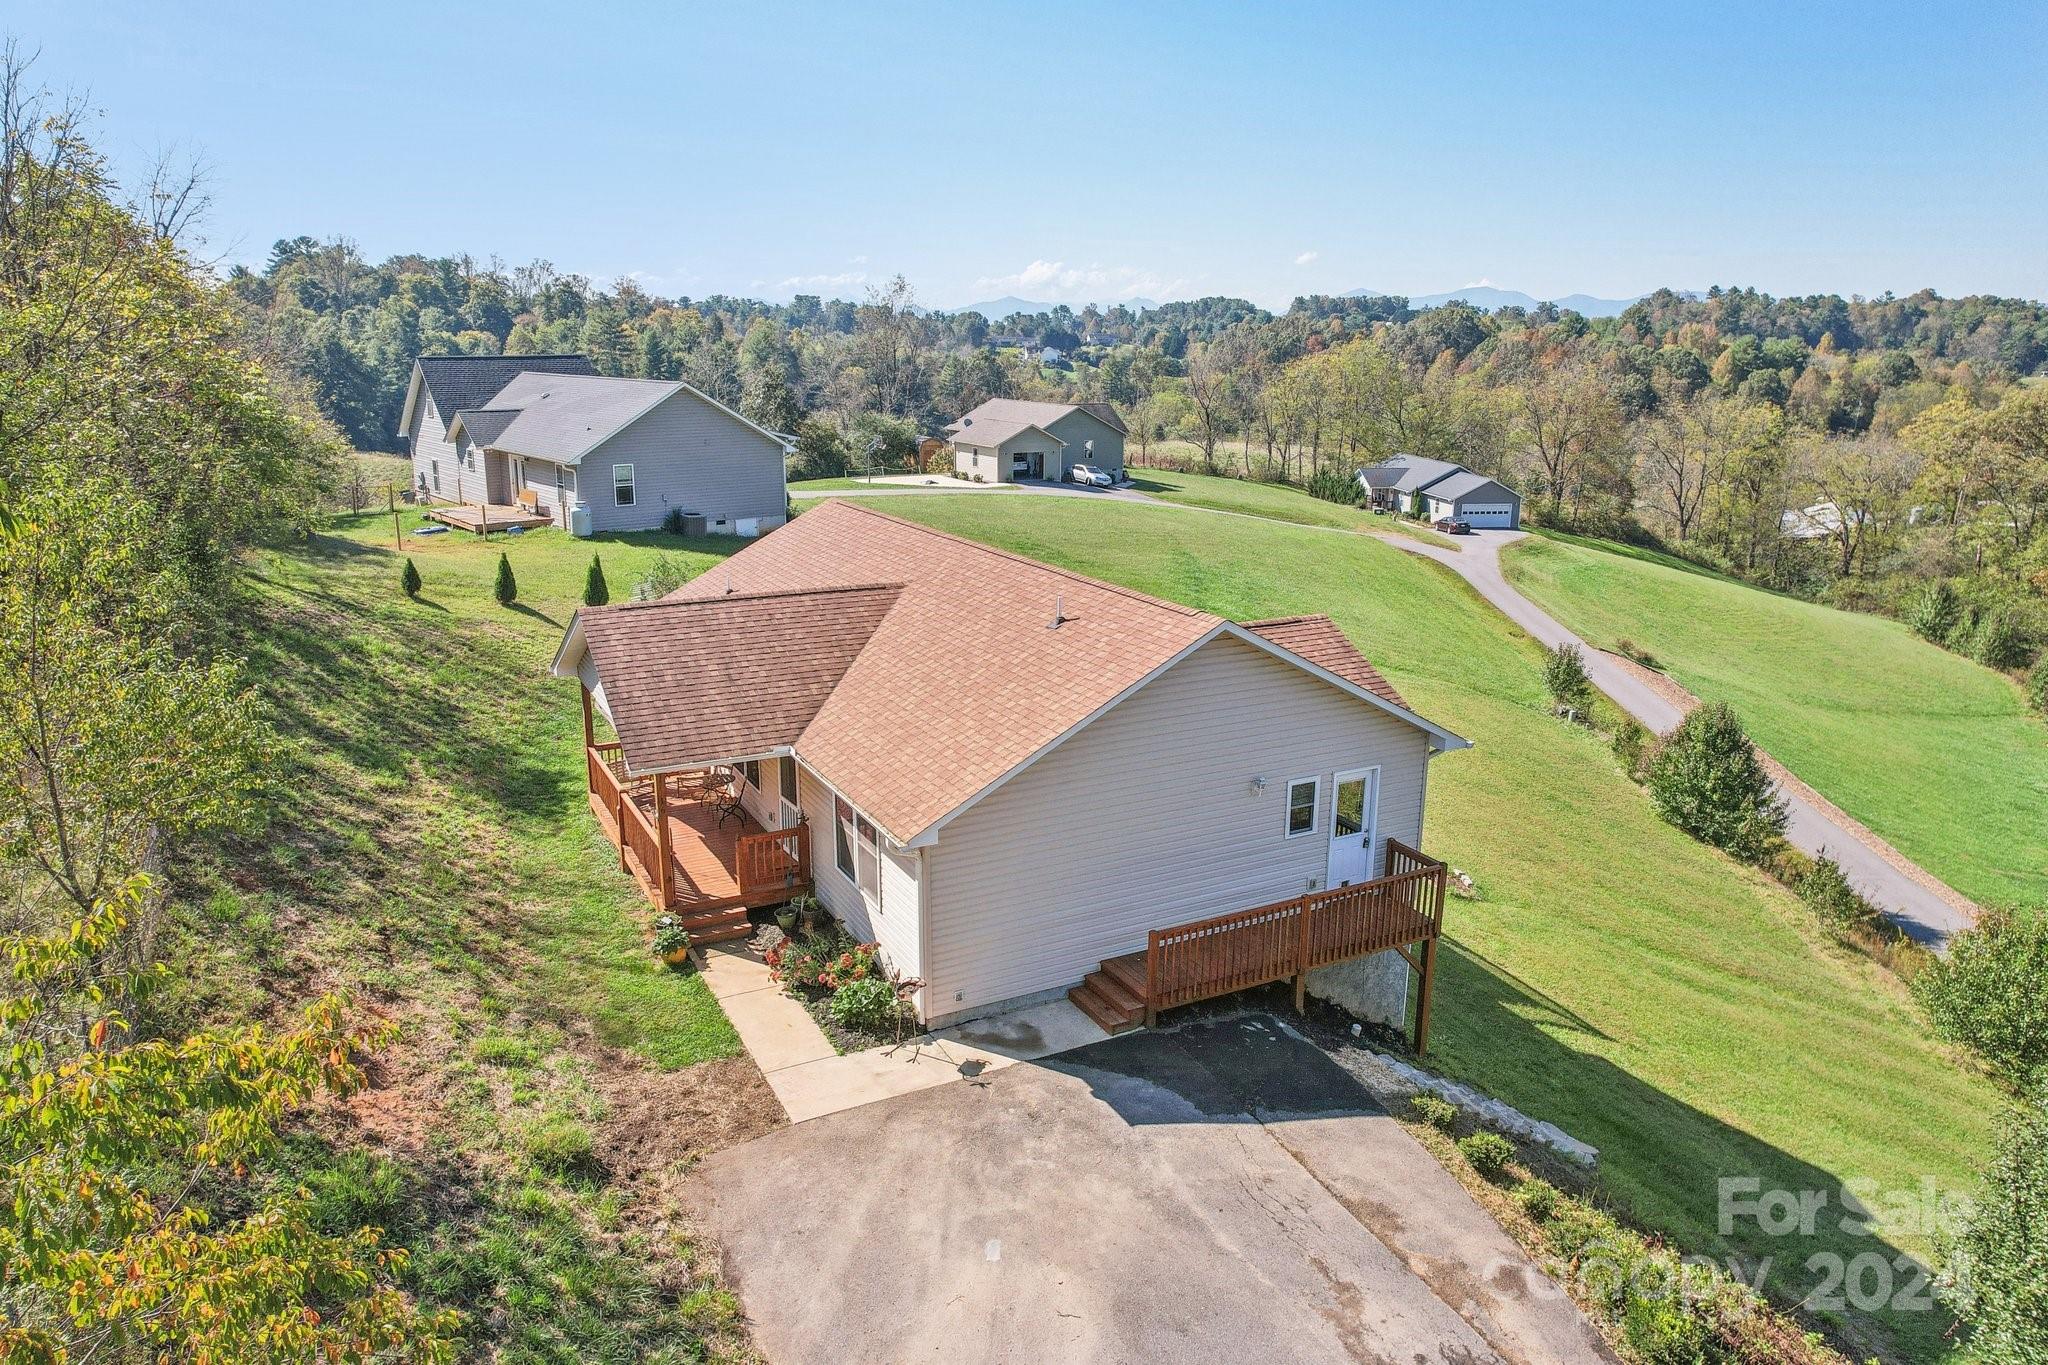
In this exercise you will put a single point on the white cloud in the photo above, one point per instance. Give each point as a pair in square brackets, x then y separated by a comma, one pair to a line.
[1307, 257]
[804, 284]
[1058, 282]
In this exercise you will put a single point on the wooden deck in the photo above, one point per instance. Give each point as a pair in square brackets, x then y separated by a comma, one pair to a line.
[706, 868]
[1400, 912]
[471, 516]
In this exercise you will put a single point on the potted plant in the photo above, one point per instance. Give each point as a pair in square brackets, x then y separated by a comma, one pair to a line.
[808, 911]
[785, 917]
[671, 941]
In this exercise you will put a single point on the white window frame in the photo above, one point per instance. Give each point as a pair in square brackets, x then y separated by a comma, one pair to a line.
[632, 491]
[1315, 808]
[434, 468]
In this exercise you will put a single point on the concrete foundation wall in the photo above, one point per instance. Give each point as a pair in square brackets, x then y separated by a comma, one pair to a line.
[1374, 988]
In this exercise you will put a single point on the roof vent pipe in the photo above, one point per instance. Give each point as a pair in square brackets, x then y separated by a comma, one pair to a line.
[1059, 614]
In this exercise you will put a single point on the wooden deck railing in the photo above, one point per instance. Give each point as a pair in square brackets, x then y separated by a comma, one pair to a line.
[1235, 952]
[776, 858]
[610, 791]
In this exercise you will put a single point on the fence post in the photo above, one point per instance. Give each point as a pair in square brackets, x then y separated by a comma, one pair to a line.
[664, 879]
[1151, 978]
[1301, 961]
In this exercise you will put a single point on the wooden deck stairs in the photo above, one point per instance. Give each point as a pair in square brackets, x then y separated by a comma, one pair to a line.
[716, 925]
[1113, 995]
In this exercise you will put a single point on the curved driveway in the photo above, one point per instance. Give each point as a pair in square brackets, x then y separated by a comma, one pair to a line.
[1920, 912]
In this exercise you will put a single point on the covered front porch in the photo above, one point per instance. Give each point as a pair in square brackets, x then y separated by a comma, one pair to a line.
[692, 846]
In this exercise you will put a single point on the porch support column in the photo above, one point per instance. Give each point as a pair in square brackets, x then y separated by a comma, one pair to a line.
[665, 877]
[1422, 1005]
[589, 722]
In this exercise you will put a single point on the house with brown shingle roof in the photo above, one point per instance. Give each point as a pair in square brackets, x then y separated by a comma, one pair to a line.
[1006, 439]
[1005, 774]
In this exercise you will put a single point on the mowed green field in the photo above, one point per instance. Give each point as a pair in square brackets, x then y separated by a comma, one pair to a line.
[1933, 752]
[1274, 500]
[1641, 991]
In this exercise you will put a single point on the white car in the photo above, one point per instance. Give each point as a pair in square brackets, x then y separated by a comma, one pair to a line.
[1091, 477]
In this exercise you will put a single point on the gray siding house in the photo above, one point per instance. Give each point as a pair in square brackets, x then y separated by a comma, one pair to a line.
[595, 454]
[440, 387]
[1006, 439]
[1448, 490]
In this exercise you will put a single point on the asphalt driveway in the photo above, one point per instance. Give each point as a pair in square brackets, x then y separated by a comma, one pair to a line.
[1221, 1192]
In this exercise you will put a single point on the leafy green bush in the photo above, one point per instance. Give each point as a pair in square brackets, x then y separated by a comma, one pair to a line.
[1988, 993]
[1564, 678]
[662, 578]
[1993, 1272]
[2000, 642]
[867, 1003]
[1833, 901]
[410, 579]
[560, 1146]
[596, 592]
[670, 937]
[1538, 1199]
[1664, 1330]
[1934, 612]
[2037, 685]
[1489, 1153]
[1631, 745]
[1707, 780]
[1434, 1110]
[1334, 483]
[1629, 649]
[506, 589]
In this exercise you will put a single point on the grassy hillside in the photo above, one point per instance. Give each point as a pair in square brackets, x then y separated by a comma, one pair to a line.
[432, 852]
[1933, 752]
[1648, 995]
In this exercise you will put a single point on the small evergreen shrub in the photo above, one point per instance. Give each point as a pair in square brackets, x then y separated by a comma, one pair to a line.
[596, 592]
[1992, 1275]
[1987, 994]
[1436, 1111]
[1834, 902]
[1631, 745]
[1538, 1198]
[1489, 1153]
[1418, 507]
[1565, 679]
[2000, 642]
[410, 579]
[1707, 780]
[1334, 483]
[867, 1003]
[1934, 611]
[506, 589]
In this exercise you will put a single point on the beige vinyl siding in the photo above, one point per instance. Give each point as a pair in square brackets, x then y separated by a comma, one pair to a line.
[430, 443]
[688, 455]
[1147, 818]
[893, 923]
[1078, 428]
[968, 461]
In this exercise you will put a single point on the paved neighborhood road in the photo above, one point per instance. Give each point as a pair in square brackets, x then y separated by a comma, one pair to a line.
[1221, 1192]
[1919, 911]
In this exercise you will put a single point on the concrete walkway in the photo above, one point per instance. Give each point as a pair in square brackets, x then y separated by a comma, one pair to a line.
[811, 1078]
[1921, 912]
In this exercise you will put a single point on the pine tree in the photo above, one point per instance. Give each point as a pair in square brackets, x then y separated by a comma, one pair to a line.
[507, 589]
[1707, 780]
[595, 592]
[410, 579]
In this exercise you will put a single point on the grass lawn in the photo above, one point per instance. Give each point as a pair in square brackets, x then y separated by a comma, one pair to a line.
[1933, 752]
[1275, 500]
[432, 852]
[854, 484]
[1646, 994]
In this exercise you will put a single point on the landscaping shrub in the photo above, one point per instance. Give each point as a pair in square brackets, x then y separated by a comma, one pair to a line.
[669, 937]
[866, 1003]
[1664, 1331]
[596, 592]
[1631, 744]
[1707, 780]
[1489, 1153]
[1538, 1199]
[1434, 1110]
[1418, 507]
[1629, 649]
[1334, 483]
[823, 961]
[664, 577]
[410, 579]
[1993, 1276]
[560, 1146]
[2000, 642]
[1934, 611]
[2037, 685]
[1834, 902]
[1564, 678]
[1988, 993]
[506, 589]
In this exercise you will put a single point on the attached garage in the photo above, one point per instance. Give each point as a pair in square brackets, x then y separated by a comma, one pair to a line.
[1475, 499]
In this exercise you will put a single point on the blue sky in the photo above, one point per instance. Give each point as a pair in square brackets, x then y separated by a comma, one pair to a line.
[1096, 151]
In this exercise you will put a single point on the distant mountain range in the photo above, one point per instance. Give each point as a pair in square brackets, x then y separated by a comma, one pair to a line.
[1490, 298]
[995, 310]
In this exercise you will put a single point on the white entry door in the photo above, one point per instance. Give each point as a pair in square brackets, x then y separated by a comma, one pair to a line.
[1354, 826]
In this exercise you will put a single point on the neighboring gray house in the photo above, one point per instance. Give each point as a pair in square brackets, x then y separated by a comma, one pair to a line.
[595, 454]
[1448, 490]
[443, 385]
[1006, 439]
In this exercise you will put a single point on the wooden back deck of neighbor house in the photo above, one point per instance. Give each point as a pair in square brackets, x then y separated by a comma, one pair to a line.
[695, 852]
[484, 518]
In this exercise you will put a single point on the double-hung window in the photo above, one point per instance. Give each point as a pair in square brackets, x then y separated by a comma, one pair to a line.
[622, 484]
[1304, 795]
[751, 770]
[857, 851]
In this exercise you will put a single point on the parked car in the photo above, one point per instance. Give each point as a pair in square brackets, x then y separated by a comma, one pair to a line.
[1089, 476]
[1452, 528]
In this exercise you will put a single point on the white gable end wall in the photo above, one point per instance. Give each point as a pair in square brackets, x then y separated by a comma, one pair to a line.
[1147, 818]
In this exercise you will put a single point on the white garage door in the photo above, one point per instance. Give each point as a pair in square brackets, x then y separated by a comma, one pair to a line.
[1489, 513]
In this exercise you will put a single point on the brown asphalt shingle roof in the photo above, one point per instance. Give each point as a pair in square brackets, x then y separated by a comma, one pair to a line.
[1317, 639]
